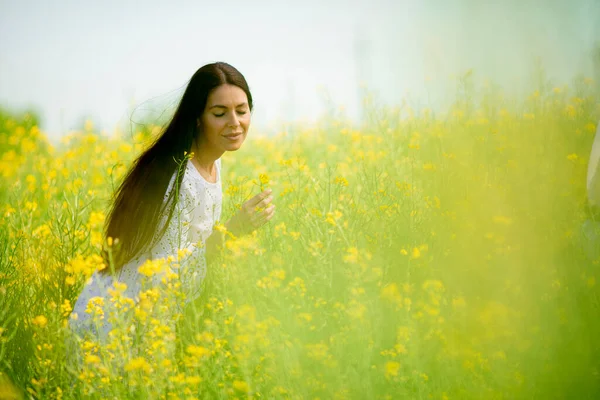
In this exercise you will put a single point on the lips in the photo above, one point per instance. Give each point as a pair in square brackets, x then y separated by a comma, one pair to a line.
[234, 135]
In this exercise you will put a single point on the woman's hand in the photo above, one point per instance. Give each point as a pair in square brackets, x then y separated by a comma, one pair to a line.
[252, 215]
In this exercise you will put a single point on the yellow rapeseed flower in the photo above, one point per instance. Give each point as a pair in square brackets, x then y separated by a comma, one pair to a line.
[391, 368]
[240, 386]
[352, 255]
[138, 363]
[416, 253]
[197, 351]
[340, 180]
[40, 321]
[92, 359]
[590, 127]
[264, 179]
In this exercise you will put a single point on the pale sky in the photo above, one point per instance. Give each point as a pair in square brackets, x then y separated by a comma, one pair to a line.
[72, 59]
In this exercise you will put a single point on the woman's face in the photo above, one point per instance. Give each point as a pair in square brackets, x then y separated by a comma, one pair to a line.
[226, 118]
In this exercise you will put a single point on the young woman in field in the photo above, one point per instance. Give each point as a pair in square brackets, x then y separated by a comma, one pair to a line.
[166, 203]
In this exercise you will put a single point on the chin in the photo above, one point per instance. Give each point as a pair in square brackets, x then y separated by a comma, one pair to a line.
[235, 146]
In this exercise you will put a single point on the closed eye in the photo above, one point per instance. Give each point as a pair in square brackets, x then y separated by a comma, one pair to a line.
[220, 115]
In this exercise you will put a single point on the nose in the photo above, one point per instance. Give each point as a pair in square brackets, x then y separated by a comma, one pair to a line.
[234, 122]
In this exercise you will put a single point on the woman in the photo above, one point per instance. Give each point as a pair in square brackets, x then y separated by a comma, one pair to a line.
[170, 200]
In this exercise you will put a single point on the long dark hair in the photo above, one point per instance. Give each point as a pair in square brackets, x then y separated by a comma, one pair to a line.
[139, 201]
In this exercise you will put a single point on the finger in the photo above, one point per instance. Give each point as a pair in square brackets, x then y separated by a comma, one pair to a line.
[268, 214]
[263, 220]
[268, 217]
[259, 197]
[269, 210]
[263, 203]
[259, 217]
[256, 220]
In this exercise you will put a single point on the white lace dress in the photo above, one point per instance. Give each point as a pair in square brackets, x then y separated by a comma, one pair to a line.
[198, 208]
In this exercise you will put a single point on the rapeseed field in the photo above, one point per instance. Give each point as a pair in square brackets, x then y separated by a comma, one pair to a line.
[422, 255]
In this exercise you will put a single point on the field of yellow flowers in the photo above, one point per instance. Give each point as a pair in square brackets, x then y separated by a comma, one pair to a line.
[422, 256]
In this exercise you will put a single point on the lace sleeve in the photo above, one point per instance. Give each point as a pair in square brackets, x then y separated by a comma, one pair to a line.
[179, 235]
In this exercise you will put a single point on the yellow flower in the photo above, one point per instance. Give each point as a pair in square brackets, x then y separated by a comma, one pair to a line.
[278, 273]
[391, 293]
[264, 179]
[31, 205]
[305, 316]
[193, 380]
[151, 267]
[197, 351]
[95, 305]
[40, 321]
[125, 147]
[181, 253]
[66, 307]
[392, 368]
[340, 180]
[220, 227]
[240, 386]
[96, 219]
[92, 359]
[416, 253]
[352, 256]
[9, 211]
[400, 348]
[138, 363]
[590, 127]
[570, 110]
[332, 217]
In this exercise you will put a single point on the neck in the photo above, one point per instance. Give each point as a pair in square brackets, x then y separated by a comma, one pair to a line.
[205, 156]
